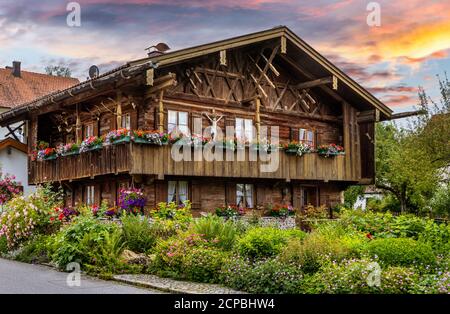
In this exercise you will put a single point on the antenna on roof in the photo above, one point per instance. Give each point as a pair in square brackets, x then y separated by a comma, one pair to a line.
[159, 49]
[93, 71]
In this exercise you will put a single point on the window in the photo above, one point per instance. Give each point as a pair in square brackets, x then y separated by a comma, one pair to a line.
[306, 136]
[88, 130]
[90, 194]
[177, 191]
[244, 195]
[244, 129]
[178, 119]
[126, 121]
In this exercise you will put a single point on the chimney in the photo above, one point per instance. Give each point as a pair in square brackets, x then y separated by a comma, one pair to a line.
[16, 68]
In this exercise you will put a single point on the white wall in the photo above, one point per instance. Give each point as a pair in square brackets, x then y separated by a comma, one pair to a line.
[16, 164]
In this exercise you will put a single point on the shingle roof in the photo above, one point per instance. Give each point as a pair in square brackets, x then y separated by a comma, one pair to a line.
[30, 85]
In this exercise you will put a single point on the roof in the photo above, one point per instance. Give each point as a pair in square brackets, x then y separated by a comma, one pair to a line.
[29, 86]
[277, 32]
[10, 142]
[361, 94]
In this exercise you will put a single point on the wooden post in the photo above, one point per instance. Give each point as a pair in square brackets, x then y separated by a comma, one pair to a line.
[346, 137]
[119, 110]
[258, 118]
[161, 111]
[78, 128]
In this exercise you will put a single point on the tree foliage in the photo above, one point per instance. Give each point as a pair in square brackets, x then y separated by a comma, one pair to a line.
[58, 70]
[410, 161]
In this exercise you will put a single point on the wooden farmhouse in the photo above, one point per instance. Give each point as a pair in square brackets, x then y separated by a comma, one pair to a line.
[251, 83]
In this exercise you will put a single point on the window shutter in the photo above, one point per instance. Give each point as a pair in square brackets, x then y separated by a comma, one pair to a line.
[196, 195]
[231, 193]
[161, 191]
[134, 119]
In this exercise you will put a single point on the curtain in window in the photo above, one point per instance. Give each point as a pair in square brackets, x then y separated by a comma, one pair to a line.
[183, 122]
[171, 193]
[172, 121]
[239, 128]
[183, 191]
[248, 126]
[240, 195]
[249, 195]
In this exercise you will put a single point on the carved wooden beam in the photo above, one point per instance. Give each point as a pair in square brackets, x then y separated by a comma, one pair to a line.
[314, 83]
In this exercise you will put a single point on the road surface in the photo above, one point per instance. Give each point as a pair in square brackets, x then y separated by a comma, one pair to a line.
[16, 277]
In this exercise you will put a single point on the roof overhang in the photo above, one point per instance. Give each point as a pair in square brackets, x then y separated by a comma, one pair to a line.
[9, 142]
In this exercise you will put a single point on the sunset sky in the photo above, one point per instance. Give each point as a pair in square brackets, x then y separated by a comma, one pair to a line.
[409, 49]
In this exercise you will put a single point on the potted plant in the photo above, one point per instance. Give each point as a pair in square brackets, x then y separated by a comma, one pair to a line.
[230, 211]
[330, 150]
[280, 210]
[297, 148]
[199, 140]
[91, 143]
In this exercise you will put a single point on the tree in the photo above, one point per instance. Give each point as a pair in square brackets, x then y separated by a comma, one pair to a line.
[410, 161]
[58, 70]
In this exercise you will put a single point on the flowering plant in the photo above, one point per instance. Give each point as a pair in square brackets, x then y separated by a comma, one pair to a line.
[67, 148]
[90, 142]
[62, 214]
[8, 188]
[299, 148]
[230, 211]
[116, 135]
[330, 150]
[199, 140]
[49, 152]
[132, 200]
[280, 210]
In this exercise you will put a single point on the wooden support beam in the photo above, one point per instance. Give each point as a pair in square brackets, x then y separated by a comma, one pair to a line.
[78, 129]
[119, 109]
[258, 118]
[314, 83]
[161, 111]
[150, 76]
[304, 72]
[162, 83]
[12, 132]
[223, 57]
[283, 45]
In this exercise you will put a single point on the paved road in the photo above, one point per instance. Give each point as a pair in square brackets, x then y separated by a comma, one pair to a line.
[18, 277]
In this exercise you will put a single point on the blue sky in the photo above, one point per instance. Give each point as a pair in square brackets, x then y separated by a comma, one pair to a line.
[408, 50]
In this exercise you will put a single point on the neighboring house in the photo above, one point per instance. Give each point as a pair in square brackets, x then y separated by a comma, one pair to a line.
[269, 78]
[371, 192]
[17, 87]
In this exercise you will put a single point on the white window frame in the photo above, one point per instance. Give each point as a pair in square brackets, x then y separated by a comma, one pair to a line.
[90, 194]
[173, 191]
[306, 136]
[174, 121]
[88, 130]
[126, 121]
[245, 192]
[244, 129]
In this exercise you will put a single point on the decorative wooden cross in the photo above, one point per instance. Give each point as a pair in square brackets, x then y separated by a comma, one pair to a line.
[214, 118]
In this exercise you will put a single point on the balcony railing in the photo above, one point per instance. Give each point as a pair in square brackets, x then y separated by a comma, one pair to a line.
[157, 160]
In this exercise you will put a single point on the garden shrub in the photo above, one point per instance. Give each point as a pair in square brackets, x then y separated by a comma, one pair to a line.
[203, 264]
[88, 242]
[3, 245]
[215, 229]
[265, 242]
[181, 214]
[141, 234]
[328, 242]
[437, 236]
[401, 252]
[359, 276]
[35, 250]
[263, 276]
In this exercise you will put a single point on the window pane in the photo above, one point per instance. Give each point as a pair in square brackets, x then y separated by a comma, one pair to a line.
[249, 130]
[171, 196]
[171, 127]
[172, 117]
[240, 195]
[239, 128]
[183, 191]
[310, 137]
[126, 121]
[182, 118]
[249, 195]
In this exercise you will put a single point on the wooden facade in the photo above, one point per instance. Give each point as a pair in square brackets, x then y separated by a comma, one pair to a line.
[271, 78]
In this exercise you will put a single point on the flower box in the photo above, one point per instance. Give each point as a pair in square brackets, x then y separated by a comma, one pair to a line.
[76, 152]
[124, 139]
[292, 151]
[94, 147]
[139, 140]
[52, 157]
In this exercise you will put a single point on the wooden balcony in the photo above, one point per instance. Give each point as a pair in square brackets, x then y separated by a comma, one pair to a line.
[155, 160]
